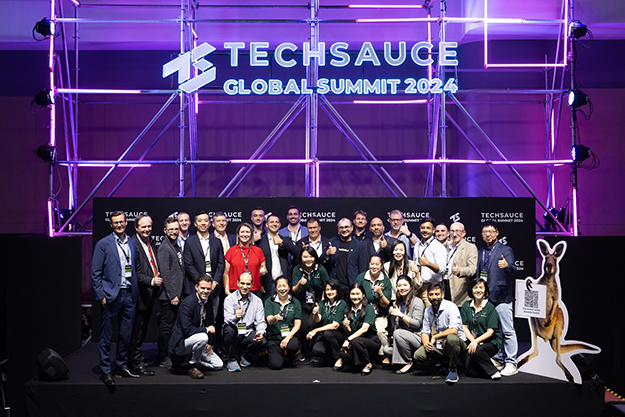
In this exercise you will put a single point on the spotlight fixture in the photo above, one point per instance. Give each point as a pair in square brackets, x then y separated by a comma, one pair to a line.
[44, 27]
[577, 98]
[577, 29]
[47, 153]
[45, 97]
[580, 153]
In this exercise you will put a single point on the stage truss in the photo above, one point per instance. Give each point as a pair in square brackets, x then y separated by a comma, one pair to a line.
[186, 17]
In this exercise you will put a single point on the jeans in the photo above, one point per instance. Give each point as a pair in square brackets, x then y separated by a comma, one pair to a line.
[509, 346]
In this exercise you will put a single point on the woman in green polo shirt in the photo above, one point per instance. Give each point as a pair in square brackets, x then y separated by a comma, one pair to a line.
[326, 339]
[479, 322]
[362, 340]
[308, 280]
[284, 318]
[378, 290]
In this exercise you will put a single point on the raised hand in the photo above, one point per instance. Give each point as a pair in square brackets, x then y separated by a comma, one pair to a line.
[503, 264]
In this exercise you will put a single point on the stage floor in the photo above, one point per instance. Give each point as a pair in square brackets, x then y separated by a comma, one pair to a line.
[305, 390]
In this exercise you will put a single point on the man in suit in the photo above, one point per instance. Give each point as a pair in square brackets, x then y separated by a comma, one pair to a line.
[400, 231]
[172, 272]
[495, 264]
[314, 239]
[194, 330]
[293, 229]
[114, 280]
[203, 254]
[220, 222]
[149, 287]
[258, 223]
[276, 249]
[184, 221]
[461, 264]
[376, 243]
[360, 222]
[346, 257]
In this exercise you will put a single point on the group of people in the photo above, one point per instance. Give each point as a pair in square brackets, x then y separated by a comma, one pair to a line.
[283, 294]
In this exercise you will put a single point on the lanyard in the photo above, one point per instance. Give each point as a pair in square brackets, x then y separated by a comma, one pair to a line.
[426, 248]
[450, 257]
[330, 309]
[245, 260]
[126, 254]
[486, 262]
[247, 305]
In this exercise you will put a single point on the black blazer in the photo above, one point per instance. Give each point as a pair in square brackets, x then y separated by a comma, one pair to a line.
[325, 244]
[356, 259]
[386, 253]
[188, 322]
[147, 292]
[195, 265]
[287, 247]
[171, 271]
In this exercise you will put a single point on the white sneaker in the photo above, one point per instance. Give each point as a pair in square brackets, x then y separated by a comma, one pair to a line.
[497, 364]
[496, 375]
[509, 370]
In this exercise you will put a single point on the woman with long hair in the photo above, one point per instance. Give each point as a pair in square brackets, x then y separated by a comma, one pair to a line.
[326, 338]
[407, 314]
[400, 265]
[479, 322]
[244, 257]
[362, 340]
[284, 319]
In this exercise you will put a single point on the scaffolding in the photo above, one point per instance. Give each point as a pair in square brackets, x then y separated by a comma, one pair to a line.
[439, 117]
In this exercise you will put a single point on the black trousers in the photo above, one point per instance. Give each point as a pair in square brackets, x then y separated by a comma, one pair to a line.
[137, 337]
[279, 358]
[478, 364]
[236, 345]
[361, 350]
[167, 318]
[327, 344]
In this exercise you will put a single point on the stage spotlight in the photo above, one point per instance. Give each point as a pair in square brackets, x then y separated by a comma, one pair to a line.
[577, 98]
[45, 97]
[44, 27]
[47, 153]
[577, 29]
[580, 153]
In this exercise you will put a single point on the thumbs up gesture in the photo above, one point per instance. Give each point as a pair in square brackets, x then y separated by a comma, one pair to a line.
[423, 261]
[239, 313]
[503, 264]
[315, 309]
[331, 250]
[455, 270]
[277, 239]
[383, 242]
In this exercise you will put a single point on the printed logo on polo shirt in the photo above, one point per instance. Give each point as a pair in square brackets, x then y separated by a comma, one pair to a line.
[503, 217]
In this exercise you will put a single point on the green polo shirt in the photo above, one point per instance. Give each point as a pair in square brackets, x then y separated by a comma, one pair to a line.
[373, 297]
[290, 312]
[486, 319]
[333, 314]
[316, 280]
[368, 318]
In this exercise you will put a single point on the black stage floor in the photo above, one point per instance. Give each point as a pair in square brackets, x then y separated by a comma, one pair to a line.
[303, 391]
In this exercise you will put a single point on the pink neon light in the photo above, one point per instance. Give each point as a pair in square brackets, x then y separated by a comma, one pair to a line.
[543, 65]
[317, 173]
[398, 20]
[271, 161]
[549, 162]
[575, 231]
[50, 219]
[76, 2]
[430, 68]
[96, 91]
[482, 162]
[385, 6]
[553, 148]
[120, 164]
[390, 101]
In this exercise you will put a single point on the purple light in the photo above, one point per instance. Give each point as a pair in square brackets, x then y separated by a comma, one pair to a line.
[482, 162]
[271, 161]
[97, 165]
[50, 219]
[95, 91]
[385, 6]
[398, 20]
[545, 162]
[317, 178]
[76, 3]
[575, 231]
[390, 101]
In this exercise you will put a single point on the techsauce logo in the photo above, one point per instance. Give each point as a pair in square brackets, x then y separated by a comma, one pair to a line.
[420, 54]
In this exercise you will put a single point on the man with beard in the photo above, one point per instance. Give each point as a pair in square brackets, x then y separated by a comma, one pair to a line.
[184, 221]
[258, 223]
[346, 257]
[276, 249]
[441, 334]
[429, 254]
[399, 230]
[376, 243]
[293, 229]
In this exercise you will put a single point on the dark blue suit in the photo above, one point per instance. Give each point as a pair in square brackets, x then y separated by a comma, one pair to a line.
[106, 278]
[284, 250]
[500, 281]
[386, 253]
[194, 262]
[188, 322]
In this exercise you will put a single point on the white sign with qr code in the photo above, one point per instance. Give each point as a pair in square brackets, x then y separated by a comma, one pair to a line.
[530, 302]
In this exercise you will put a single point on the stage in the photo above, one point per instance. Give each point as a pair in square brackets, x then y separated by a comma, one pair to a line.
[303, 391]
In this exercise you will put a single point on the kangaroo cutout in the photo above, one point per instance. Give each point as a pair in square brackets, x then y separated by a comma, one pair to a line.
[552, 329]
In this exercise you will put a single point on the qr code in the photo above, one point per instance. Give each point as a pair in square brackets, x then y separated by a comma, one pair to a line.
[531, 299]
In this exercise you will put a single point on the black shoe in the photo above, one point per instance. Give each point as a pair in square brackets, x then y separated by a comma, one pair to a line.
[366, 370]
[125, 373]
[142, 370]
[108, 380]
[314, 360]
[165, 363]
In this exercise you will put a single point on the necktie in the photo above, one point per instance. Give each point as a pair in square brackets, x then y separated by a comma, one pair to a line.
[152, 260]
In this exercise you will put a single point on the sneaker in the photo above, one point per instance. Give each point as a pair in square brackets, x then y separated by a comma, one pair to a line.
[233, 366]
[314, 360]
[509, 370]
[165, 363]
[497, 364]
[496, 375]
[244, 362]
[452, 377]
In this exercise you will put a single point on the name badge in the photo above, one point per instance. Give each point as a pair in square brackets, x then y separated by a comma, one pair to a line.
[310, 297]
[483, 275]
[242, 328]
[128, 271]
[208, 266]
[438, 344]
[284, 330]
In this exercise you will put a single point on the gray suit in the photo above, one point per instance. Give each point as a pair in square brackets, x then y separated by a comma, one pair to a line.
[466, 260]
